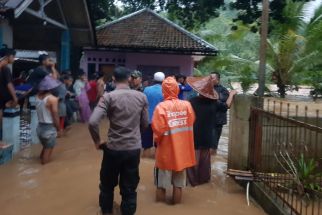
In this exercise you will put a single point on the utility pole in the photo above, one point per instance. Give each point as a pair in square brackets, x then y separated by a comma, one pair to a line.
[263, 48]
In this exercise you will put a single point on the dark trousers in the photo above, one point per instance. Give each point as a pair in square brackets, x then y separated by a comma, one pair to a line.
[217, 134]
[70, 108]
[119, 167]
[92, 105]
[147, 138]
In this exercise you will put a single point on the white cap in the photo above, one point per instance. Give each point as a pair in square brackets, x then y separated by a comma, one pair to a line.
[159, 76]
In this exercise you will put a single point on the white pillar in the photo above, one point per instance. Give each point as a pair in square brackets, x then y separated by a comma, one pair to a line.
[6, 36]
[33, 120]
[11, 128]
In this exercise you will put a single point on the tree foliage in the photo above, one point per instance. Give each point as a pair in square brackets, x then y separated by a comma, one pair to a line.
[104, 10]
[190, 13]
[294, 47]
[250, 10]
[238, 47]
[131, 6]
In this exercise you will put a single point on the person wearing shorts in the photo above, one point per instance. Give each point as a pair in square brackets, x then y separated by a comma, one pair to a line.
[47, 135]
[47, 112]
[172, 125]
[165, 179]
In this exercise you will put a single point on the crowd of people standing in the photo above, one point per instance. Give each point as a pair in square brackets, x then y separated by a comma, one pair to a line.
[180, 133]
[177, 120]
[58, 99]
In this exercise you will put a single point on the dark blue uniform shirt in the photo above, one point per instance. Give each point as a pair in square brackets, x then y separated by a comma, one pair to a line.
[221, 115]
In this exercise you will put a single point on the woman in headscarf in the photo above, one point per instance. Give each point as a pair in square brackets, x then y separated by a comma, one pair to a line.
[81, 86]
[205, 107]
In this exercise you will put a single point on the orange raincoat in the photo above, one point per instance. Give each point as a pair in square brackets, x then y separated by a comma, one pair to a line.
[172, 126]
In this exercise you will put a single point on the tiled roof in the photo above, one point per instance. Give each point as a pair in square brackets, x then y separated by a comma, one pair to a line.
[145, 30]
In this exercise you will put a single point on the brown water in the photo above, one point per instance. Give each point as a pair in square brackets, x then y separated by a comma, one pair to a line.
[69, 185]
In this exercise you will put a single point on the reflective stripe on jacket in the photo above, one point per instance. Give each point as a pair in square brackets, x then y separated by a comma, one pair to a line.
[172, 126]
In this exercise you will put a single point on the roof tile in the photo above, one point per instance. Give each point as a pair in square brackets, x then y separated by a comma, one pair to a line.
[146, 30]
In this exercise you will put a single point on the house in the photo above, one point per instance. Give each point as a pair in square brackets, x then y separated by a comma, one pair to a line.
[55, 26]
[147, 42]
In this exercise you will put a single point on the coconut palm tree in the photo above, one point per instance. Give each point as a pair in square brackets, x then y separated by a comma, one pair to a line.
[294, 46]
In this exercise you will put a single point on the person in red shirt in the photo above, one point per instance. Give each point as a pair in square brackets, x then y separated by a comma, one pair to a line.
[92, 93]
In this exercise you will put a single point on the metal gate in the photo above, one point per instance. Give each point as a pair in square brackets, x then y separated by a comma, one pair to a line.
[285, 154]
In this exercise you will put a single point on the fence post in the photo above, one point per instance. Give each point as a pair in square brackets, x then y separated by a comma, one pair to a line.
[239, 127]
[256, 139]
[11, 128]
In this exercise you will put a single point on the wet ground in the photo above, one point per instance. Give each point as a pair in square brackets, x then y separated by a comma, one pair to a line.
[69, 184]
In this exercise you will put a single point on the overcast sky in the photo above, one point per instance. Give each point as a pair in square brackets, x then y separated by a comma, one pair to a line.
[311, 6]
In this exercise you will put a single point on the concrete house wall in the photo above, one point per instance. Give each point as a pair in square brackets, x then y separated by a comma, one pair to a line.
[134, 60]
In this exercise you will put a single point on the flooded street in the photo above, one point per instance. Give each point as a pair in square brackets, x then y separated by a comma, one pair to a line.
[69, 184]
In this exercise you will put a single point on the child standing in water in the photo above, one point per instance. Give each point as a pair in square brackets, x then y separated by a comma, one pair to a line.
[47, 112]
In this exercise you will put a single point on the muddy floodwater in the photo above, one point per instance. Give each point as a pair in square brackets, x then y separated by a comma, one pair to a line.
[69, 184]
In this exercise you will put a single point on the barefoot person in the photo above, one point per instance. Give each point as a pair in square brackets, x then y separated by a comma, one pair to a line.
[172, 125]
[205, 107]
[127, 111]
[47, 112]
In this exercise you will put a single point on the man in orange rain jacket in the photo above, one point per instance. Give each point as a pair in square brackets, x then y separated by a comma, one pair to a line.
[172, 126]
